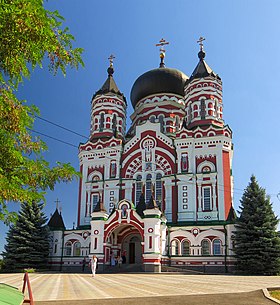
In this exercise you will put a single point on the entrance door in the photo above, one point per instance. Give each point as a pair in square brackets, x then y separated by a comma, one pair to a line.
[132, 253]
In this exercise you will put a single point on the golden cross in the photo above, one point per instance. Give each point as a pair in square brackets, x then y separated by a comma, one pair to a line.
[200, 42]
[111, 58]
[161, 43]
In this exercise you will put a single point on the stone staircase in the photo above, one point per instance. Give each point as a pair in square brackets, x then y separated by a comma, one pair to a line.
[184, 270]
[124, 268]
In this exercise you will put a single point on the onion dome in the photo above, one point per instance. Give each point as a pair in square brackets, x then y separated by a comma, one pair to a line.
[161, 80]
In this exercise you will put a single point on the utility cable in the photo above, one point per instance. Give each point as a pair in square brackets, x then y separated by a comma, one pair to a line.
[53, 138]
[60, 126]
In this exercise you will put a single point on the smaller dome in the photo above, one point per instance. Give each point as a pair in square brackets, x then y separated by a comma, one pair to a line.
[161, 80]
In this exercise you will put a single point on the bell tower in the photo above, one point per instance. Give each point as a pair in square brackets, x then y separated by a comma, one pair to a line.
[108, 109]
[100, 156]
[203, 95]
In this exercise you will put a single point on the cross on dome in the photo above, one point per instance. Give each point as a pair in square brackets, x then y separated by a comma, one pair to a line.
[200, 42]
[201, 53]
[111, 59]
[110, 70]
[162, 43]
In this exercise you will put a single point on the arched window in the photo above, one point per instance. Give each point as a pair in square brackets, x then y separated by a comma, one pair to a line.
[101, 122]
[113, 169]
[68, 249]
[207, 201]
[205, 247]
[217, 247]
[95, 199]
[121, 125]
[177, 123]
[152, 119]
[138, 189]
[184, 162]
[174, 247]
[148, 188]
[158, 189]
[185, 247]
[95, 178]
[161, 121]
[114, 122]
[77, 249]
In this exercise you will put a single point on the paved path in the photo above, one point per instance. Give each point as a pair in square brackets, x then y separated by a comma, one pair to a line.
[242, 298]
[51, 286]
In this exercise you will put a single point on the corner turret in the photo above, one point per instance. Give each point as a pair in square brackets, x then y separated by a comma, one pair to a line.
[203, 95]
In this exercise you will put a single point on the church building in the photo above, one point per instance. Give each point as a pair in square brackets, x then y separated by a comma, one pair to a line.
[159, 194]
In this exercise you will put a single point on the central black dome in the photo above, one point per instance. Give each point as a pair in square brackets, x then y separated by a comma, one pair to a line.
[161, 80]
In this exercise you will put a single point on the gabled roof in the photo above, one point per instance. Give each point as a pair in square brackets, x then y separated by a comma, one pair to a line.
[56, 221]
[202, 69]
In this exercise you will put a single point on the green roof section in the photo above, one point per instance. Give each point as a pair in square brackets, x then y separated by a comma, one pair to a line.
[10, 295]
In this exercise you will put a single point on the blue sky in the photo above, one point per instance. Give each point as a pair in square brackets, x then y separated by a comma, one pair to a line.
[242, 46]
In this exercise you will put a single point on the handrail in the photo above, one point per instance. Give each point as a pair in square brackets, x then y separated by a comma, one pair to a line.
[29, 290]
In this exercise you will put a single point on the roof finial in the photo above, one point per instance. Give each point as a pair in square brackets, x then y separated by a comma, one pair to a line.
[161, 43]
[110, 70]
[201, 53]
[111, 59]
[57, 202]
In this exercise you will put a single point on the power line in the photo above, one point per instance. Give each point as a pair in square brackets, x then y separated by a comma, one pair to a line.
[53, 138]
[60, 126]
[236, 190]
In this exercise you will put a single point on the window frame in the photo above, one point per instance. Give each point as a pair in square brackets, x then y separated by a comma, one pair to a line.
[220, 246]
[174, 247]
[208, 252]
[204, 207]
[67, 248]
[182, 247]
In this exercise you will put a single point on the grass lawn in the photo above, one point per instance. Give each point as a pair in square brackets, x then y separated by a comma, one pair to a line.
[275, 294]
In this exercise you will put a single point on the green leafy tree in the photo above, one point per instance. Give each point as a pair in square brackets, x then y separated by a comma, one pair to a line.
[30, 36]
[27, 240]
[257, 244]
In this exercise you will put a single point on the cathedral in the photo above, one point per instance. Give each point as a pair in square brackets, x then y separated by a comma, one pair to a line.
[160, 194]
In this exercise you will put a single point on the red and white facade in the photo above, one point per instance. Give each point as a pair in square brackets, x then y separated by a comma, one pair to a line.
[177, 154]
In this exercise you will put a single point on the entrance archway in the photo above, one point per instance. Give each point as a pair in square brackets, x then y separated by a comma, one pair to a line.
[132, 247]
[124, 240]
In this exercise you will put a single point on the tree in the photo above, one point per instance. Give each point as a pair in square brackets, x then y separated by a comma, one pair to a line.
[257, 245]
[27, 240]
[30, 36]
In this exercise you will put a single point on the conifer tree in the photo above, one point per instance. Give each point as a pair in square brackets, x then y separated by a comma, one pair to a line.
[141, 206]
[257, 245]
[27, 240]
